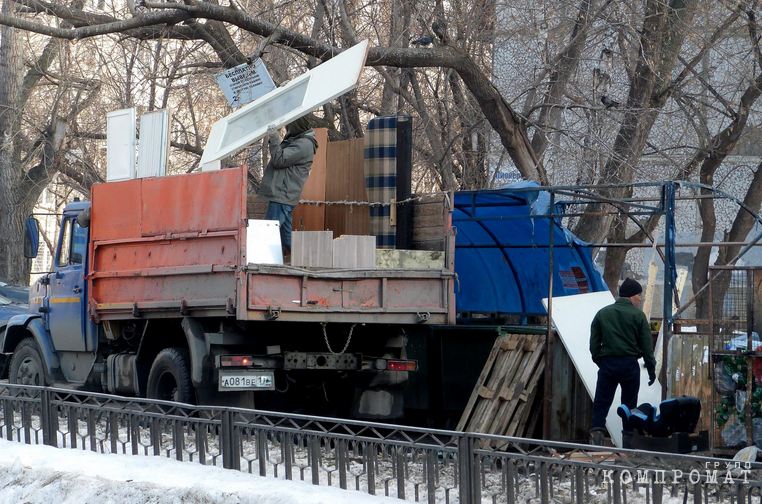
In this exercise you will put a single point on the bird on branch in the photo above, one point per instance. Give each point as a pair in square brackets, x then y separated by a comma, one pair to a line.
[439, 27]
[423, 41]
[608, 102]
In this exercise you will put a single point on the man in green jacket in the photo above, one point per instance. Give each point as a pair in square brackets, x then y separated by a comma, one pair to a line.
[619, 336]
[286, 174]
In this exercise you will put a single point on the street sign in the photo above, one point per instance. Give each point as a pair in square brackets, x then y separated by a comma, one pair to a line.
[245, 83]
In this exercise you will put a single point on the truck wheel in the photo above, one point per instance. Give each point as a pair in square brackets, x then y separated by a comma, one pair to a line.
[169, 378]
[26, 364]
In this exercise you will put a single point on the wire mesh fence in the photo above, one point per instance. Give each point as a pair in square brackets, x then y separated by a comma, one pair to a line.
[408, 463]
[736, 356]
[733, 308]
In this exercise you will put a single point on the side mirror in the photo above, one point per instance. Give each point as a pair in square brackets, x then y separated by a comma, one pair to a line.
[31, 237]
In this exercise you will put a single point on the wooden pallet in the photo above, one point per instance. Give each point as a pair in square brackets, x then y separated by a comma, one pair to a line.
[505, 392]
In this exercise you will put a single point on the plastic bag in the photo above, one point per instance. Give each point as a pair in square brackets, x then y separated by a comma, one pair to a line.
[741, 342]
[756, 431]
[740, 401]
[723, 383]
[734, 434]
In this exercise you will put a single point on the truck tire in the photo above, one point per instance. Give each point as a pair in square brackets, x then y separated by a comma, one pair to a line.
[170, 378]
[26, 364]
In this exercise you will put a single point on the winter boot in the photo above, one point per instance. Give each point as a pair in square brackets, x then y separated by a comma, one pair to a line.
[627, 439]
[597, 436]
[286, 254]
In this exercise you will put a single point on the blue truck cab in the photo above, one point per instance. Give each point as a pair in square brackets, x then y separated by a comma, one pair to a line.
[56, 340]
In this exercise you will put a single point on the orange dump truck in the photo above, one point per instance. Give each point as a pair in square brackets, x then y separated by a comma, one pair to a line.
[153, 294]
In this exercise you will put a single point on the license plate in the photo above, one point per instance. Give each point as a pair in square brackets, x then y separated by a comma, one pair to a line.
[246, 380]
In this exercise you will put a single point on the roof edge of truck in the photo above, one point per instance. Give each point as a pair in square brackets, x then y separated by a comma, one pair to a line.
[76, 206]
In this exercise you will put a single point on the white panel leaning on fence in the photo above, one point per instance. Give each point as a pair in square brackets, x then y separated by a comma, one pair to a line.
[572, 316]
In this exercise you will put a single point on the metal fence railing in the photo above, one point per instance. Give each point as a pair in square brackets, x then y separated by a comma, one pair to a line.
[409, 463]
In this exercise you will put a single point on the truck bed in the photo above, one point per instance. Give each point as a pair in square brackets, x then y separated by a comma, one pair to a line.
[175, 246]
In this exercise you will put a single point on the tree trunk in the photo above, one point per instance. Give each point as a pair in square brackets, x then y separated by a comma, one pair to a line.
[568, 61]
[399, 29]
[501, 116]
[13, 266]
[615, 256]
[664, 28]
[742, 226]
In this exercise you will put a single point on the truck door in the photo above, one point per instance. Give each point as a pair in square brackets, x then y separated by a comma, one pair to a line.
[67, 289]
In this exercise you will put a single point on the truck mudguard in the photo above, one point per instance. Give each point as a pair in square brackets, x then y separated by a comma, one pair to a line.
[198, 347]
[19, 327]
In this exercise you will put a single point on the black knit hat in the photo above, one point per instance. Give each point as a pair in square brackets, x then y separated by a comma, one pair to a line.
[629, 288]
[298, 126]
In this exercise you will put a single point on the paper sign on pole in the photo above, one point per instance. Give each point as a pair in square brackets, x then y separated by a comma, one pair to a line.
[245, 83]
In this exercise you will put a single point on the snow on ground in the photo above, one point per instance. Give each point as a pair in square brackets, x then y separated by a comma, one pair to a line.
[39, 474]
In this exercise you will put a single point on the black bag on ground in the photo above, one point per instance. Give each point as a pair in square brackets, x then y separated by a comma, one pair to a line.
[679, 414]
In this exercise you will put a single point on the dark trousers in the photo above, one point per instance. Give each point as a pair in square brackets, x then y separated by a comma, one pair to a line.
[281, 213]
[612, 372]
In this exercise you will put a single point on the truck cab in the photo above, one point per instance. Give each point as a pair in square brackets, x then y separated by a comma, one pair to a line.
[55, 340]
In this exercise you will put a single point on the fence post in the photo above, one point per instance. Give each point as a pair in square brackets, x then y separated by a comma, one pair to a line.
[135, 433]
[26, 421]
[154, 431]
[617, 487]
[544, 483]
[179, 439]
[8, 417]
[510, 479]
[113, 424]
[288, 454]
[579, 484]
[469, 477]
[262, 451]
[314, 443]
[230, 459]
[657, 490]
[431, 475]
[91, 430]
[341, 462]
[400, 457]
[371, 456]
[73, 426]
[49, 423]
[201, 430]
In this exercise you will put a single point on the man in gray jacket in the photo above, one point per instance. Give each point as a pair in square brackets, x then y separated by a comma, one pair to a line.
[286, 173]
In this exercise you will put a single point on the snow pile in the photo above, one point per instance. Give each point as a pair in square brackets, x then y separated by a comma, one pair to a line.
[38, 474]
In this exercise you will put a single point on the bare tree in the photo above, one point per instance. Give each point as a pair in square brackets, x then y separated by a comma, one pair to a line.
[34, 119]
[184, 21]
[603, 85]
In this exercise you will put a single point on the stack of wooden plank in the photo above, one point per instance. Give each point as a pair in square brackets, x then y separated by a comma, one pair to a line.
[431, 221]
[504, 401]
[255, 207]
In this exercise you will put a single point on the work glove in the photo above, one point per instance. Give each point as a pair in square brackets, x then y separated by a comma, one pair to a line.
[651, 377]
[273, 135]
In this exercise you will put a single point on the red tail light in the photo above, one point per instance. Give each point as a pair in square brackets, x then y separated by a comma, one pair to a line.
[235, 360]
[401, 365]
